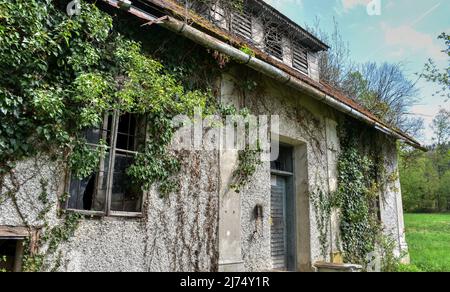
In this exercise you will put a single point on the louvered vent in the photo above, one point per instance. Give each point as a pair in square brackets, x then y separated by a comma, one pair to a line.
[300, 59]
[241, 25]
[273, 42]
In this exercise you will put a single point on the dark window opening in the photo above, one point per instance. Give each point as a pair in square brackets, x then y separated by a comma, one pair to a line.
[110, 189]
[284, 162]
[11, 254]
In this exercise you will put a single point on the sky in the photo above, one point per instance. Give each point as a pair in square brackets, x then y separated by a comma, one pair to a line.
[394, 31]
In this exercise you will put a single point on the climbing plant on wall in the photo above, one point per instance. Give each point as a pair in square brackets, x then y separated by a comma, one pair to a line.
[363, 180]
[59, 75]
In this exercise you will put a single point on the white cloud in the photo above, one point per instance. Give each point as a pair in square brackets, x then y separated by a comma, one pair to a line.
[406, 39]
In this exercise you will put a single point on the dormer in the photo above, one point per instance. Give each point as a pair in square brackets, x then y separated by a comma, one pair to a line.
[269, 30]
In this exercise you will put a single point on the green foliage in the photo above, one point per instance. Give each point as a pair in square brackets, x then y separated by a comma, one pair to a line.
[434, 74]
[323, 206]
[248, 51]
[59, 75]
[354, 198]
[249, 160]
[3, 260]
[425, 177]
[361, 176]
[85, 159]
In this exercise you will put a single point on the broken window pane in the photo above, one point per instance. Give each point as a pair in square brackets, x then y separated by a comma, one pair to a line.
[89, 194]
[102, 133]
[127, 196]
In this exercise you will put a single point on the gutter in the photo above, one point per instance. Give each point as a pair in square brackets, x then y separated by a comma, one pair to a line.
[258, 65]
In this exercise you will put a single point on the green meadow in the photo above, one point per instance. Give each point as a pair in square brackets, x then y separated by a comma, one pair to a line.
[428, 237]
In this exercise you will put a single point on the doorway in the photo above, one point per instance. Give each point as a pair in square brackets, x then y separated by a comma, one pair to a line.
[283, 213]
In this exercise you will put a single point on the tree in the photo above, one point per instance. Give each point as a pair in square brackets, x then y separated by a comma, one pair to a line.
[425, 177]
[441, 128]
[433, 74]
[386, 92]
[382, 88]
[334, 64]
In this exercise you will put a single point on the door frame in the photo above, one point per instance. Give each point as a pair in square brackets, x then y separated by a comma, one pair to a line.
[290, 212]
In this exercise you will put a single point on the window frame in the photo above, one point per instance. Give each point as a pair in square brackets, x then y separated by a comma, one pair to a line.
[108, 212]
[19, 235]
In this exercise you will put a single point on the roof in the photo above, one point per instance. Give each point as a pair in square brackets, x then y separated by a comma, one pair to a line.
[174, 9]
[313, 42]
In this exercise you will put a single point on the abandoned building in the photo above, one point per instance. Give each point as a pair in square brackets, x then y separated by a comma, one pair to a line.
[272, 222]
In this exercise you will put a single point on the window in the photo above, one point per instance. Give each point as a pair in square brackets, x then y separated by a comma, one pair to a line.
[284, 163]
[300, 58]
[12, 248]
[11, 253]
[109, 191]
[241, 25]
[274, 41]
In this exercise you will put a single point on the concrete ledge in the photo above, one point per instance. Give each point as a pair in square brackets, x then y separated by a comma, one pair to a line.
[231, 267]
[323, 267]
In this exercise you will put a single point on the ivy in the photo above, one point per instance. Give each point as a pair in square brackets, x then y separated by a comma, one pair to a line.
[361, 177]
[249, 160]
[354, 198]
[3, 260]
[60, 75]
[322, 206]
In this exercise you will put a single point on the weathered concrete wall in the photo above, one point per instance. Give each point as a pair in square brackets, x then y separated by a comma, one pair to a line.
[302, 124]
[310, 127]
[183, 232]
[391, 198]
[176, 234]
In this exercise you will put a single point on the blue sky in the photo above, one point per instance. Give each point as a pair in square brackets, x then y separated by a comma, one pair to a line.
[406, 31]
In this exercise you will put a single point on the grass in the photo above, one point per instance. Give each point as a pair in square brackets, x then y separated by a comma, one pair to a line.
[428, 237]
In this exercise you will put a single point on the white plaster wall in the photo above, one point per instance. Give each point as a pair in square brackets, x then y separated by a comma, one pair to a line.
[301, 121]
[392, 203]
[176, 234]
[181, 233]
